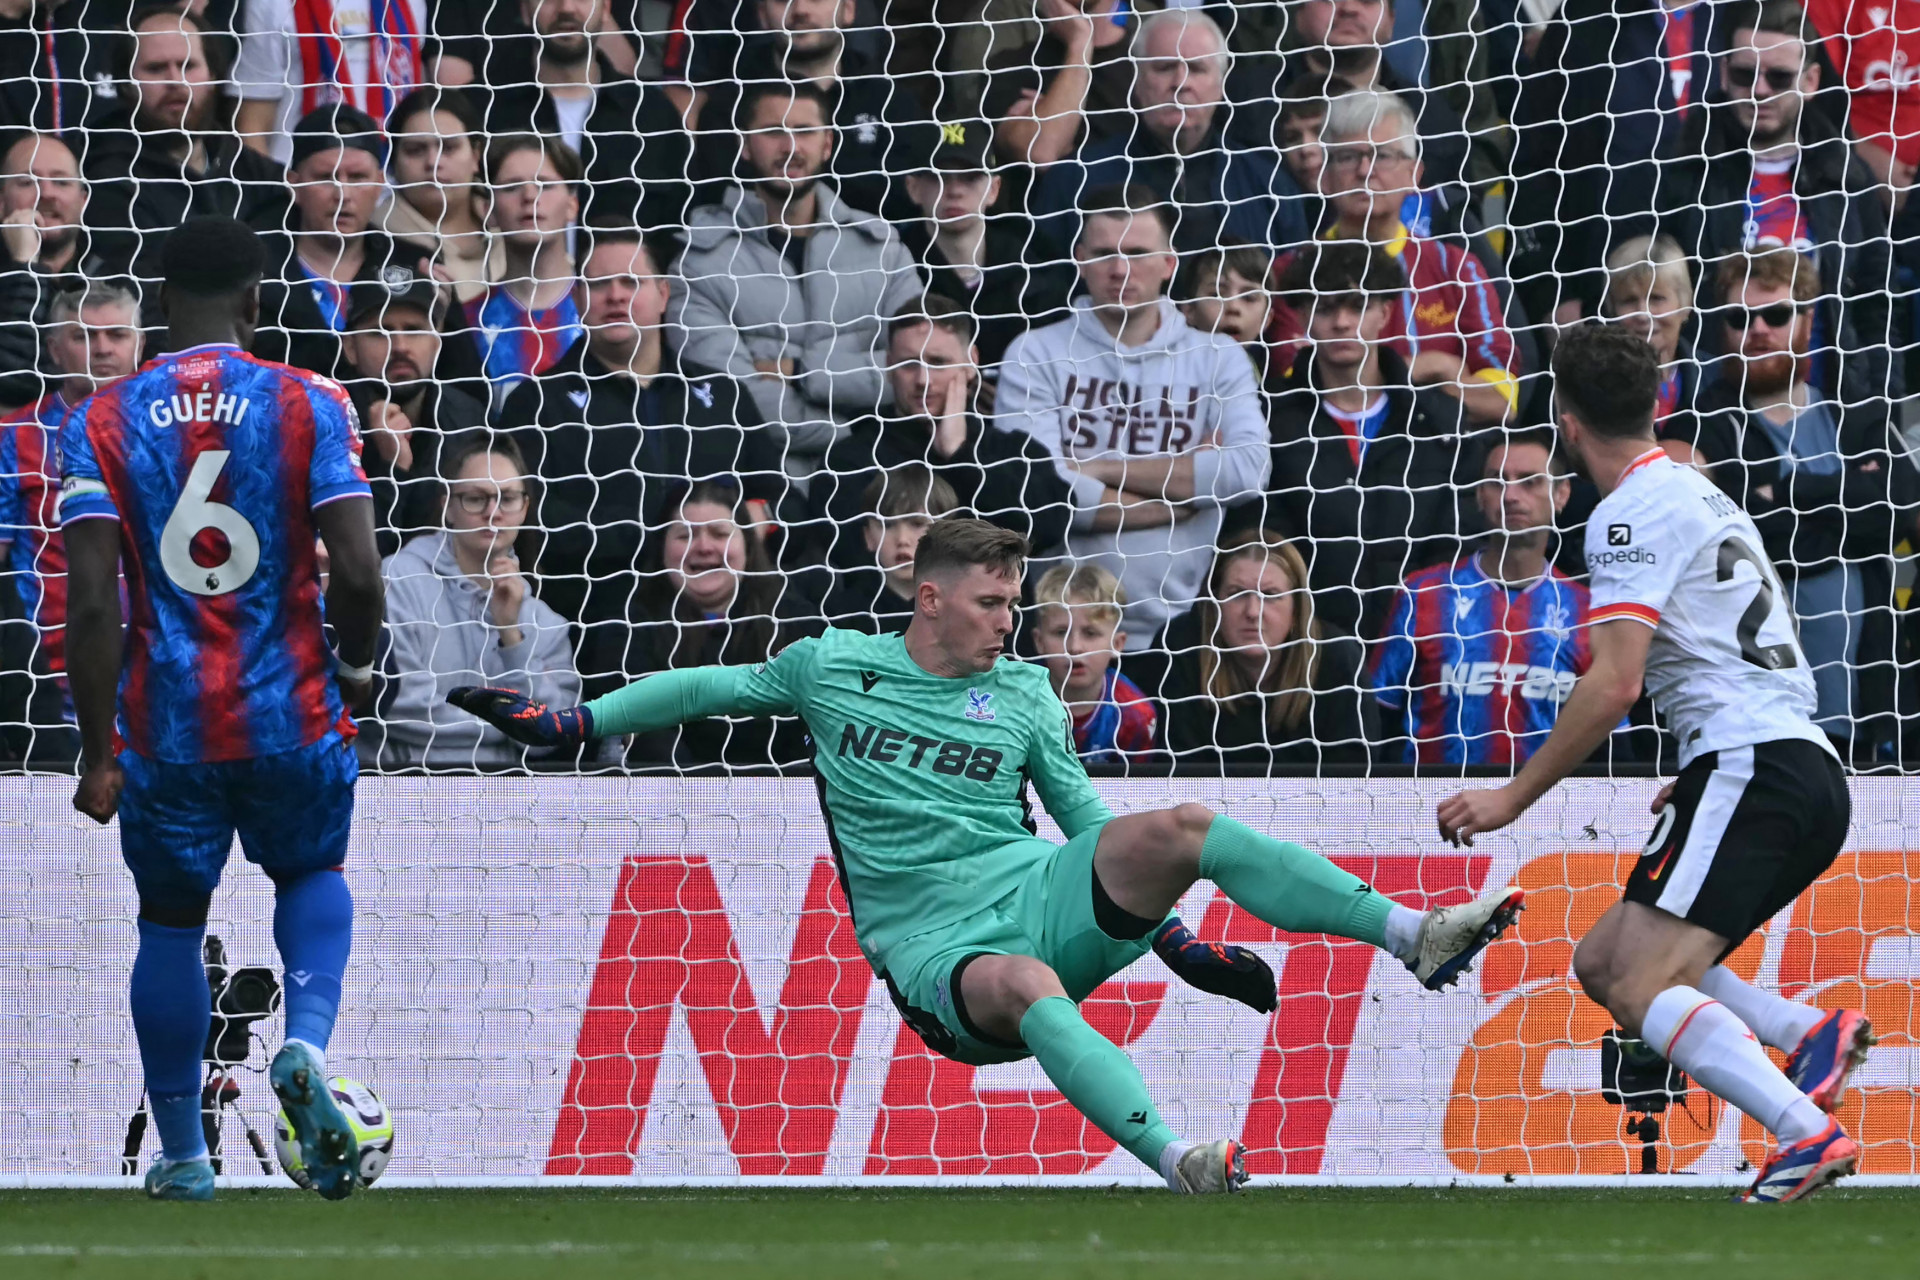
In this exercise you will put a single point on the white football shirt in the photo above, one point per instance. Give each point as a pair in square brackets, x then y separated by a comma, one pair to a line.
[1668, 549]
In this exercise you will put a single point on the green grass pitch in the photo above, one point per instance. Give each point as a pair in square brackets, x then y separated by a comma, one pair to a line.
[1339, 1234]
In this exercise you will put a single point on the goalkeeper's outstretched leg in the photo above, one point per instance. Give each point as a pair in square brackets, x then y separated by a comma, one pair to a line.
[1146, 861]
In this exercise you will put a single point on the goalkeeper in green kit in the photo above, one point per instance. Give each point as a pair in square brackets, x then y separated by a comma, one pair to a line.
[986, 935]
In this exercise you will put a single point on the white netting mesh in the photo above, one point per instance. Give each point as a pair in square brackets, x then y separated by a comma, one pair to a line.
[670, 326]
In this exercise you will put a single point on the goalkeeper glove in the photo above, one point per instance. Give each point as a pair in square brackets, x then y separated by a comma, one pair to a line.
[1218, 968]
[522, 719]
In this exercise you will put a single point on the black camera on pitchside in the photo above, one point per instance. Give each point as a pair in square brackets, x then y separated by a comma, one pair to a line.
[1634, 1077]
[241, 997]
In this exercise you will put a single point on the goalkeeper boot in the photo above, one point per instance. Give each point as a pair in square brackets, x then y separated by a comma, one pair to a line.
[180, 1180]
[1210, 1168]
[1218, 968]
[1450, 937]
[1798, 1169]
[327, 1146]
[1828, 1055]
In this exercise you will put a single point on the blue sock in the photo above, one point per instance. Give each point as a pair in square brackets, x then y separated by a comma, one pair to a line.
[172, 1011]
[313, 927]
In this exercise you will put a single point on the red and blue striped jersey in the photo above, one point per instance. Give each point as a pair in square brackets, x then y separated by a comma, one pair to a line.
[516, 344]
[213, 463]
[1480, 669]
[29, 498]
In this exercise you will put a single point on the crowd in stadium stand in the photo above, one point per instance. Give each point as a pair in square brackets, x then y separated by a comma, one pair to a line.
[672, 327]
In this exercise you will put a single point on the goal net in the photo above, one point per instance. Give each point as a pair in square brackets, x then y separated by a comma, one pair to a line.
[670, 329]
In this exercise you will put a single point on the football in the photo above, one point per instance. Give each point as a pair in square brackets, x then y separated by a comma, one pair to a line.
[372, 1130]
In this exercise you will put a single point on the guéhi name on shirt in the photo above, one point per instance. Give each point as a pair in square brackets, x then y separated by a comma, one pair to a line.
[199, 406]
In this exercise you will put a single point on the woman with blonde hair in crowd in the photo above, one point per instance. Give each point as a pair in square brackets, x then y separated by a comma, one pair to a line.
[1254, 678]
[1650, 291]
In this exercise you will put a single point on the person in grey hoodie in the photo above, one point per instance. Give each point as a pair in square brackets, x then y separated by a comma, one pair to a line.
[787, 288]
[459, 612]
[1157, 427]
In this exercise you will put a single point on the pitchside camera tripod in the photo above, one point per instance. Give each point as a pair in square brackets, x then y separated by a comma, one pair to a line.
[241, 997]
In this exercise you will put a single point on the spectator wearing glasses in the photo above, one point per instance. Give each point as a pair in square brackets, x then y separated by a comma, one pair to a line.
[459, 611]
[44, 252]
[1763, 171]
[1828, 485]
[161, 153]
[1218, 187]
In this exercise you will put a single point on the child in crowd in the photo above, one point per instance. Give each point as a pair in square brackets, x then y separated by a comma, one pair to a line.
[1226, 291]
[1078, 635]
[900, 505]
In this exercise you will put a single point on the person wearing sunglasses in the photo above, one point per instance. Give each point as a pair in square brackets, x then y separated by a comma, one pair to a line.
[1824, 483]
[1766, 167]
[460, 611]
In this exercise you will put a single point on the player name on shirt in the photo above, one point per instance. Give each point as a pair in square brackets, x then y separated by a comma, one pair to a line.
[201, 406]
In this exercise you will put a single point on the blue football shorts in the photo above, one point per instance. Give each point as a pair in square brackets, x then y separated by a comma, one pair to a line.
[293, 812]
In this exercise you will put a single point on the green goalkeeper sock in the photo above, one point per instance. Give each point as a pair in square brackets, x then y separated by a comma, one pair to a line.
[1292, 887]
[1096, 1076]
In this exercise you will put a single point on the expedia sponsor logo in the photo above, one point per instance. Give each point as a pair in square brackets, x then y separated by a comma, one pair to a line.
[1632, 555]
[916, 751]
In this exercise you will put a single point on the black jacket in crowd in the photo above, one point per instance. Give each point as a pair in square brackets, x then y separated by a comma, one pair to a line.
[1703, 202]
[1338, 728]
[636, 150]
[998, 475]
[137, 192]
[293, 331]
[881, 133]
[1363, 529]
[861, 600]
[1009, 295]
[608, 453]
[660, 637]
[26, 297]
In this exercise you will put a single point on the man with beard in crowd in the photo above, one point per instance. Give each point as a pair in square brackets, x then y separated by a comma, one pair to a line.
[43, 253]
[304, 301]
[1827, 485]
[629, 135]
[786, 287]
[880, 132]
[392, 345]
[160, 156]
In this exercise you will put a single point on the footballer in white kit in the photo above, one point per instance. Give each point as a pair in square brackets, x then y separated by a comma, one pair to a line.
[1686, 606]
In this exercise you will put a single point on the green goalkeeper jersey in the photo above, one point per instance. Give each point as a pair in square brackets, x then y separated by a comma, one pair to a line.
[923, 778]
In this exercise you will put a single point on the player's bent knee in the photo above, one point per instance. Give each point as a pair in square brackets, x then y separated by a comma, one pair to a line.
[1593, 967]
[1192, 822]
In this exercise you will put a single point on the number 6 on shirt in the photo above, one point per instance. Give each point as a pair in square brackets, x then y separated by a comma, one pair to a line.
[194, 514]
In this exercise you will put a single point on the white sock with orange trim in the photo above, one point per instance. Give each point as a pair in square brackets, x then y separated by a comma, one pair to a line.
[1706, 1040]
[1779, 1023]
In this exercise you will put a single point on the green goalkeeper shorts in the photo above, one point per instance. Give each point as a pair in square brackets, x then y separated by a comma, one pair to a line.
[1057, 915]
